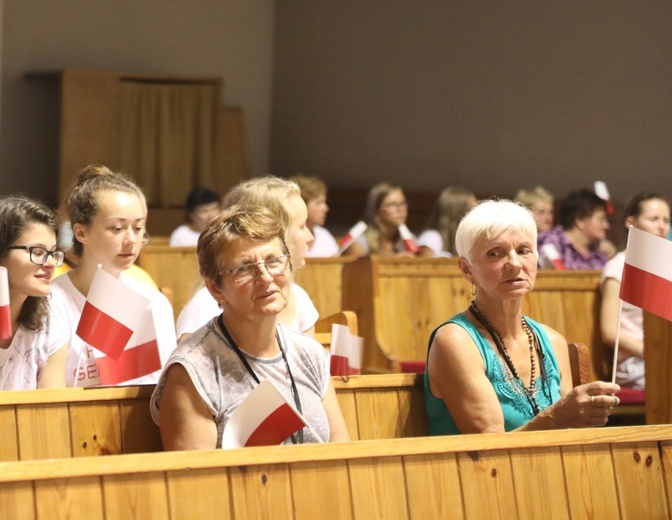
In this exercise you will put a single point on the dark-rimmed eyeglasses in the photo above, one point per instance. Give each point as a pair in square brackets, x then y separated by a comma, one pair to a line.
[40, 255]
[244, 273]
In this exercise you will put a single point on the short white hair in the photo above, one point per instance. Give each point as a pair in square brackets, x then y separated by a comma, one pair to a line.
[491, 219]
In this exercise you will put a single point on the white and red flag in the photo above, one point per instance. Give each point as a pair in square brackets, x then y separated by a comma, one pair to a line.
[647, 274]
[112, 313]
[264, 418]
[346, 352]
[409, 241]
[549, 257]
[352, 235]
[5, 315]
[602, 192]
[140, 357]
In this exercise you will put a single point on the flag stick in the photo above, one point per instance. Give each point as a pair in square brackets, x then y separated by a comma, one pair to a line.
[618, 335]
[618, 328]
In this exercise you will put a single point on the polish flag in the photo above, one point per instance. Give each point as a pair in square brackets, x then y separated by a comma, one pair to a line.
[139, 358]
[5, 315]
[112, 312]
[549, 257]
[647, 273]
[346, 352]
[264, 418]
[352, 235]
[602, 192]
[409, 241]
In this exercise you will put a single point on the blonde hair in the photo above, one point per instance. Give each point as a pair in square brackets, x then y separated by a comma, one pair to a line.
[452, 204]
[528, 197]
[311, 187]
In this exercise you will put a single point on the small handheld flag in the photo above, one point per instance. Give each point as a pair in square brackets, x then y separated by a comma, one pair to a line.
[264, 418]
[409, 241]
[5, 315]
[352, 235]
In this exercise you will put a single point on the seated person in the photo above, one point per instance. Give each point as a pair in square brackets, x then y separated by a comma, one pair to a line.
[283, 198]
[583, 226]
[439, 237]
[200, 205]
[491, 369]
[540, 202]
[108, 212]
[386, 210]
[649, 212]
[247, 267]
[314, 194]
[34, 354]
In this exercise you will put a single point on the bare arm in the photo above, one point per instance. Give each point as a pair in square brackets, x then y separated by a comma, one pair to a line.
[457, 375]
[355, 249]
[184, 419]
[337, 427]
[628, 346]
[53, 375]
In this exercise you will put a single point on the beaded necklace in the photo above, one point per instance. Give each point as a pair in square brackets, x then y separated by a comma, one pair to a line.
[530, 390]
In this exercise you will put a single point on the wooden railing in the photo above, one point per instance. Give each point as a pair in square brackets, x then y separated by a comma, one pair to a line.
[602, 473]
[77, 422]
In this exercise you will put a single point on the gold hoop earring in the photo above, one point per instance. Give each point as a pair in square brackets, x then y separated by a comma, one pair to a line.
[473, 289]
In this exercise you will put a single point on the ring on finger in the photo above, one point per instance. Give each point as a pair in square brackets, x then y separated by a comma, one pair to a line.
[616, 400]
[592, 401]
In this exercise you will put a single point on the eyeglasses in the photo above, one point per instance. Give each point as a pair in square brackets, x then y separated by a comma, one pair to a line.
[395, 206]
[146, 239]
[40, 255]
[245, 273]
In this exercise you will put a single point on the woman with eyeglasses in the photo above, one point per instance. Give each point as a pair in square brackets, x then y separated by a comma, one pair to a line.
[386, 210]
[246, 264]
[34, 356]
[283, 198]
[108, 213]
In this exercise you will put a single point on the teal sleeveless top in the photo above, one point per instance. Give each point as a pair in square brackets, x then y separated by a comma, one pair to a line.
[515, 404]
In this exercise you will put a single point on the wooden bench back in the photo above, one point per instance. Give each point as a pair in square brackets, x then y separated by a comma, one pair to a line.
[173, 267]
[77, 422]
[601, 473]
[658, 361]
[399, 301]
[321, 279]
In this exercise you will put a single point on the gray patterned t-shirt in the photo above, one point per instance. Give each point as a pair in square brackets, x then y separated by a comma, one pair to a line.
[223, 382]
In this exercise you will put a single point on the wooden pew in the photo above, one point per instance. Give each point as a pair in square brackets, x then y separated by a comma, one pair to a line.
[321, 279]
[75, 422]
[601, 473]
[173, 267]
[399, 301]
[658, 361]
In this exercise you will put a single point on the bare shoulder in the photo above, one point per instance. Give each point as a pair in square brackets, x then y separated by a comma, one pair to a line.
[452, 345]
[557, 339]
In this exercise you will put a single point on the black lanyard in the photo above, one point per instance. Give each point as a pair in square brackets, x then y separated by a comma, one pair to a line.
[243, 359]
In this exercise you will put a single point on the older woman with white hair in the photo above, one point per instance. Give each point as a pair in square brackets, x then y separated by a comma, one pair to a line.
[491, 369]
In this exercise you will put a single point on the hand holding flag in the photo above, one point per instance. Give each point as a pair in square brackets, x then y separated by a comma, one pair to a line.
[5, 315]
[549, 257]
[409, 241]
[352, 235]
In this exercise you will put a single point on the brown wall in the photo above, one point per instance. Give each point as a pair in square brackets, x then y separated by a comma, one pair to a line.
[487, 94]
[226, 38]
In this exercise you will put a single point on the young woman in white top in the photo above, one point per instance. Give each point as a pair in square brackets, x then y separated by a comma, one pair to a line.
[439, 237]
[283, 198]
[314, 194]
[108, 213]
[386, 209]
[34, 356]
[649, 212]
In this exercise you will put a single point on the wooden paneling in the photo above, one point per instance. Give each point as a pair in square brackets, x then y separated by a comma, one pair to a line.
[321, 279]
[591, 473]
[658, 361]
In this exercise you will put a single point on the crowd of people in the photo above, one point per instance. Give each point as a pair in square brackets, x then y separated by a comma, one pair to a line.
[489, 368]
